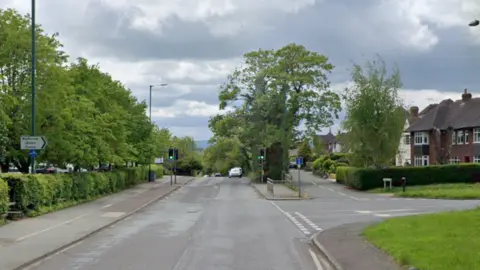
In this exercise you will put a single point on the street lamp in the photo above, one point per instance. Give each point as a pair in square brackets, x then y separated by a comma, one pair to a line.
[150, 117]
[474, 23]
[34, 66]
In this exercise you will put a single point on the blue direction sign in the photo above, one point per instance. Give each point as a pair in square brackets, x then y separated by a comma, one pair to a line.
[33, 153]
[299, 160]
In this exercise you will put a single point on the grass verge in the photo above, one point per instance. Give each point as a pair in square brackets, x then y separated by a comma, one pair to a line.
[443, 241]
[438, 191]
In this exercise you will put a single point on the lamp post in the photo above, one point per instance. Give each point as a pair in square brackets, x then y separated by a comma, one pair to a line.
[150, 117]
[34, 66]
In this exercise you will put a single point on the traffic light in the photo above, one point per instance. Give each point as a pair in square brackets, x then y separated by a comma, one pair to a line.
[260, 164]
[171, 154]
[175, 152]
[262, 153]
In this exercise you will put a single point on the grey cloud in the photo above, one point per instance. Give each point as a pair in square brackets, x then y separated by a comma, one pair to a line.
[181, 121]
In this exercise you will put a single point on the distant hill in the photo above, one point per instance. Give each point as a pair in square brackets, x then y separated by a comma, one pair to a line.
[202, 144]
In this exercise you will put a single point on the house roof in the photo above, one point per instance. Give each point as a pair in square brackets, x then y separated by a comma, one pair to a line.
[463, 113]
[330, 138]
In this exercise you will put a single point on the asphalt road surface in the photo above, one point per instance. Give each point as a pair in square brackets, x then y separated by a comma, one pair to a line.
[333, 205]
[210, 224]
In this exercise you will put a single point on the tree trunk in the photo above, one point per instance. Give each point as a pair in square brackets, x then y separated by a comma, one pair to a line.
[273, 164]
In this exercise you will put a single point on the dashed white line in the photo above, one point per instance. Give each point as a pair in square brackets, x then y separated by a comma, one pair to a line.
[331, 189]
[342, 193]
[292, 219]
[382, 215]
[308, 221]
[357, 199]
[106, 206]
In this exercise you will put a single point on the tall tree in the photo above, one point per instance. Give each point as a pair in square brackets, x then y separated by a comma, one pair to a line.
[279, 90]
[305, 151]
[375, 116]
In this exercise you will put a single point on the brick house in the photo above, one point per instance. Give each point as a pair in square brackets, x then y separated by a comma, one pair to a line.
[448, 132]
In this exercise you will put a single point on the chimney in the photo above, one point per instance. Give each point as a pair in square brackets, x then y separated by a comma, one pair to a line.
[414, 111]
[466, 96]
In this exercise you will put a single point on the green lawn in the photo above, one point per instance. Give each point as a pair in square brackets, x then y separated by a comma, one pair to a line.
[444, 241]
[439, 191]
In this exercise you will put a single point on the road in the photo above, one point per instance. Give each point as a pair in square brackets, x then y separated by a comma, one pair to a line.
[333, 205]
[212, 223]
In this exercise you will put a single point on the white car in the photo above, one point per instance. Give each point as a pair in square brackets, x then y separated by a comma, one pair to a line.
[235, 172]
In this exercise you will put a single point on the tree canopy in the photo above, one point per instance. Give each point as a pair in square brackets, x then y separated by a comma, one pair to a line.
[88, 117]
[375, 115]
[265, 101]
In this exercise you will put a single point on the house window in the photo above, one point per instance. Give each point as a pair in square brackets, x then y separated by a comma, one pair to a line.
[454, 137]
[421, 161]
[466, 137]
[421, 138]
[476, 159]
[455, 160]
[460, 137]
[407, 139]
[476, 135]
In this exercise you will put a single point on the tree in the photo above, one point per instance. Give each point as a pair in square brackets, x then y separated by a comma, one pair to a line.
[318, 146]
[279, 90]
[224, 154]
[375, 116]
[305, 151]
[87, 117]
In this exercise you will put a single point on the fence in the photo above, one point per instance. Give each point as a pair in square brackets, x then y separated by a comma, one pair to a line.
[270, 186]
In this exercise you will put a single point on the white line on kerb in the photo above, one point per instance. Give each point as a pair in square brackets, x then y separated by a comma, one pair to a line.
[315, 260]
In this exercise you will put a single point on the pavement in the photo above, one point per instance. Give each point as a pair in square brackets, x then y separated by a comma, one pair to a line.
[211, 223]
[29, 240]
[281, 192]
[334, 205]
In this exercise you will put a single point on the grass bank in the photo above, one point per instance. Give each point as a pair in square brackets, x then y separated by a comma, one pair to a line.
[438, 191]
[443, 241]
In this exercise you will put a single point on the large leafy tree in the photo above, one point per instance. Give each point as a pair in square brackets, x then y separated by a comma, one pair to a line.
[375, 115]
[87, 117]
[269, 96]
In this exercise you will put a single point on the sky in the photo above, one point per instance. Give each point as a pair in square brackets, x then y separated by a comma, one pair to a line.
[192, 45]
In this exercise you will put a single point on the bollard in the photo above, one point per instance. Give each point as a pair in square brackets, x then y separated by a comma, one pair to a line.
[404, 183]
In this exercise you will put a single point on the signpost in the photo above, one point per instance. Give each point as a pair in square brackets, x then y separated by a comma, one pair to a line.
[33, 143]
[299, 162]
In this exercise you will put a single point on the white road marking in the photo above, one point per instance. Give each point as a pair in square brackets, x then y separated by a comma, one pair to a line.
[113, 214]
[315, 260]
[308, 221]
[292, 219]
[393, 210]
[106, 206]
[331, 189]
[364, 212]
[314, 183]
[50, 228]
[382, 215]
[357, 199]
[342, 193]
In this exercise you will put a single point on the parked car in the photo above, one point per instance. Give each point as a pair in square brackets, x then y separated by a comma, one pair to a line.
[235, 172]
[218, 174]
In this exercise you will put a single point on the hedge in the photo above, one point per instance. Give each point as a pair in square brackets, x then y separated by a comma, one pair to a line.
[369, 178]
[35, 194]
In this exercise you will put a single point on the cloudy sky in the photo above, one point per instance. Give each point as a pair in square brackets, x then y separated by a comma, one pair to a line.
[194, 44]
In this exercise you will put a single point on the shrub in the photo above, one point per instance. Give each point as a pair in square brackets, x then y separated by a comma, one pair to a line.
[341, 174]
[326, 165]
[3, 199]
[368, 178]
[37, 193]
[317, 164]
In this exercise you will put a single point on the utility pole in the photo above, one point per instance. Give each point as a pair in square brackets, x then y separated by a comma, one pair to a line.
[34, 67]
[150, 117]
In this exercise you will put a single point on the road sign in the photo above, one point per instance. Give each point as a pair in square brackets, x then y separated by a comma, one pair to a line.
[33, 142]
[33, 153]
[299, 160]
[159, 160]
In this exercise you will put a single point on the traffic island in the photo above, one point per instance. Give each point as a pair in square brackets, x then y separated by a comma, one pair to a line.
[462, 191]
[441, 241]
[345, 249]
[280, 192]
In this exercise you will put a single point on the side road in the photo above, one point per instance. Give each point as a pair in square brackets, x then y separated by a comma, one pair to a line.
[26, 241]
[346, 249]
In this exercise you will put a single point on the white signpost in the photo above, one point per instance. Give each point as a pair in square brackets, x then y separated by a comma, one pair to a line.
[33, 142]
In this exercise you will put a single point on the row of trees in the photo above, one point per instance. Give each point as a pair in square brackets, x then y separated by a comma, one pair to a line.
[87, 117]
[277, 91]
